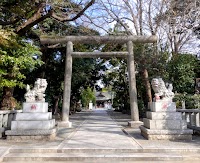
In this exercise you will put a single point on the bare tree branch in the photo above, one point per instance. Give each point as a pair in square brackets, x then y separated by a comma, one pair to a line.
[36, 18]
[75, 17]
[96, 25]
[149, 18]
[133, 16]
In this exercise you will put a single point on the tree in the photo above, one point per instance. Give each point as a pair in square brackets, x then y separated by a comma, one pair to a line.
[117, 78]
[87, 95]
[182, 71]
[85, 71]
[138, 15]
[172, 21]
[17, 58]
[25, 14]
[33, 18]
[180, 21]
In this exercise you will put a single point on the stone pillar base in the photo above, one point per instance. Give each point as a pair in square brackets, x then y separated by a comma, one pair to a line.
[153, 134]
[34, 137]
[135, 124]
[164, 123]
[167, 137]
[65, 124]
[21, 135]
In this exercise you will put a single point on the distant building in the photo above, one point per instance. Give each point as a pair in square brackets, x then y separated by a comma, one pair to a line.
[103, 98]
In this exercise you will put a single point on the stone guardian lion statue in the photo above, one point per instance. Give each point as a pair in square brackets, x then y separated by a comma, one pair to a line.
[162, 92]
[37, 93]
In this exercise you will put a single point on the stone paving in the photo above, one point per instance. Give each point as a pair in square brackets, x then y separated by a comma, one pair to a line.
[121, 119]
[100, 129]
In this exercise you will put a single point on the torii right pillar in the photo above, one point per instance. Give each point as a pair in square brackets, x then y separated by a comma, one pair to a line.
[134, 123]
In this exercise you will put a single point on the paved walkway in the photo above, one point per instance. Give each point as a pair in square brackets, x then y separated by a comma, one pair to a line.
[121, 119]
[100, 129]
[91, 130]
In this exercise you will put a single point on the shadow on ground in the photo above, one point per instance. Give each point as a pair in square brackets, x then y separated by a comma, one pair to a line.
[122, 120]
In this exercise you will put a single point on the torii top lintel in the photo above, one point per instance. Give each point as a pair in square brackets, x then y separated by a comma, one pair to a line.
[98, 39]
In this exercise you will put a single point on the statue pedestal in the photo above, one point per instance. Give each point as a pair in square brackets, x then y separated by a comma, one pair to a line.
[35, 122]
[164, 123]
[35, 107]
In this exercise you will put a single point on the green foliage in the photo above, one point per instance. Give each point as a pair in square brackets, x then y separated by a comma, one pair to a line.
[11, 10]
[142, 108]
[182, 72]
[116, 78]
[146, 56]
[16, 57]
[87, 95]
[84, 70]
[191, 101]
[85, 73]
[19, 11]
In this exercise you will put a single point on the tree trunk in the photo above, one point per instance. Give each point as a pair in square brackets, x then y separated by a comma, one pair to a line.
[8, 101]
[44, 58]
[56, 102]
[176, 47]
[147, 85]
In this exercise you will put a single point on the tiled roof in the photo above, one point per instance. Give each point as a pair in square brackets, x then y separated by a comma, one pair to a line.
[103, 96]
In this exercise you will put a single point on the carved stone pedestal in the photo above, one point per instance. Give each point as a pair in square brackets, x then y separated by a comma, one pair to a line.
[163, 122]
[35, 123]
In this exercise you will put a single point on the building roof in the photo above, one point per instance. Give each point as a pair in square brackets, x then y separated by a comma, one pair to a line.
[103, 96]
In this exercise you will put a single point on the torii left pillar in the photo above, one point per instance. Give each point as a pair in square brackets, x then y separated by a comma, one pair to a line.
[134, 123]
[67, 87]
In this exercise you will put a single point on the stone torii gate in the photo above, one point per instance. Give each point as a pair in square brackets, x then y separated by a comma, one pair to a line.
[70, 40]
